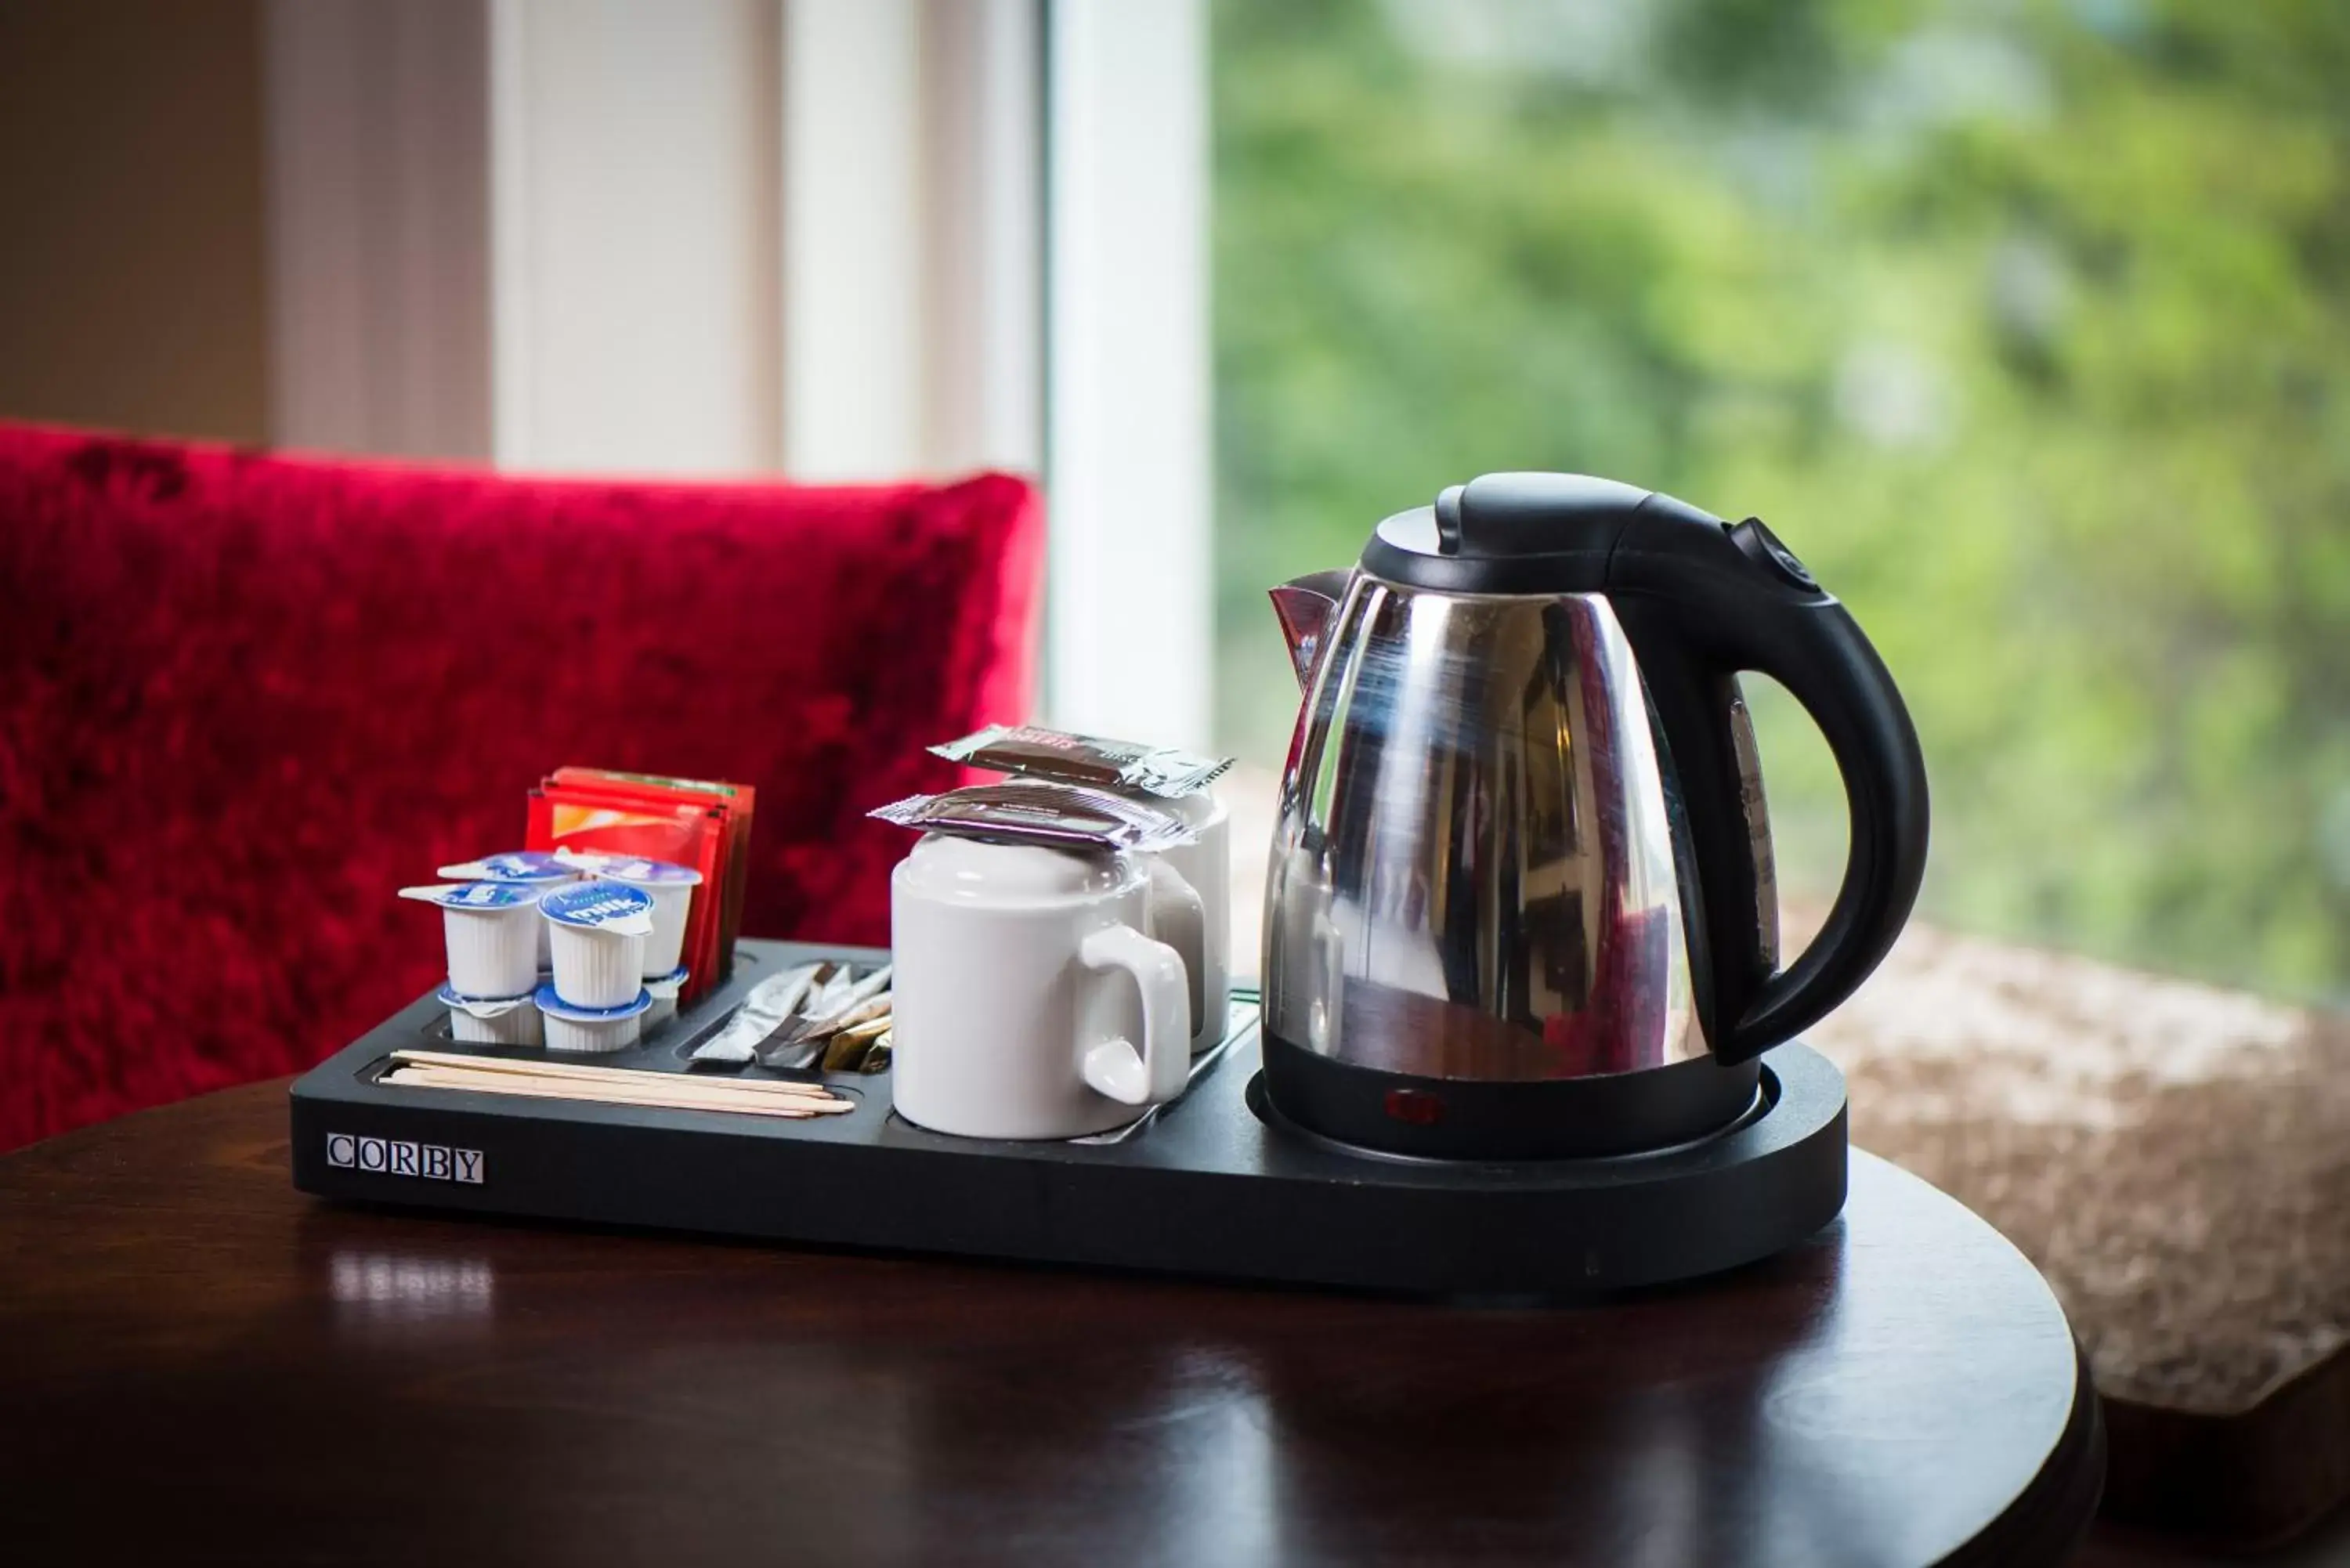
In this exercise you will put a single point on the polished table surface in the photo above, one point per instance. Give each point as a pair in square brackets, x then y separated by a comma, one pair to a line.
[198, 1364]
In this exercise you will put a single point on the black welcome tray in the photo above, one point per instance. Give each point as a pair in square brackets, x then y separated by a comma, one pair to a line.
[1211, 1185]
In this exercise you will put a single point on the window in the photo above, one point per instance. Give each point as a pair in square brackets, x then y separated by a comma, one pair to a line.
[2027, 325]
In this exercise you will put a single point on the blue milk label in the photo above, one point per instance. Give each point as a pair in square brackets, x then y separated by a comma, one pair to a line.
[598, 904]
[634, 869]
[480, 1006]
[475, 895]
[648, 871]
[549, 1002]
[516, 865]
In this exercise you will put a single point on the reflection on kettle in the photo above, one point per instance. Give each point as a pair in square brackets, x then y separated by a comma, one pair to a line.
[1521, 899]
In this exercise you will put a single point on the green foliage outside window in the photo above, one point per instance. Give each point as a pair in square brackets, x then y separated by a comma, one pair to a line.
[2027, 325]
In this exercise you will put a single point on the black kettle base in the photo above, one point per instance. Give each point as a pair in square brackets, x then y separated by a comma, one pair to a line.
[1516, 1231]
[1454, 1118]
[1261, 1101]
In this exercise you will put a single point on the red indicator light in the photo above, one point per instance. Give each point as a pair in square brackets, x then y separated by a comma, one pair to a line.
[1417, 1107]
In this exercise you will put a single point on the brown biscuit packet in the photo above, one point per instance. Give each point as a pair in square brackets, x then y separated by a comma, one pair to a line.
[1033, 811]
[1055, 754]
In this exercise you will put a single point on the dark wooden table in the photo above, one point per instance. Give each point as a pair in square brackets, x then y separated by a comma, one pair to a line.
[199, 1364]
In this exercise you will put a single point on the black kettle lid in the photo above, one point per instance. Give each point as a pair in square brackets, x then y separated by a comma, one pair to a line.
[1527, 534]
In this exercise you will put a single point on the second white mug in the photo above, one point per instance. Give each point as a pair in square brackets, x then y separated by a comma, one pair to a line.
[1207, 866]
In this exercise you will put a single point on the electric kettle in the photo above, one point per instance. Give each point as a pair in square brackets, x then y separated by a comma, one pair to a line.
[1521, 902]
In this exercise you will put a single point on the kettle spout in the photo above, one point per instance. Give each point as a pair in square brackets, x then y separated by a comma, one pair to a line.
[1306, 606]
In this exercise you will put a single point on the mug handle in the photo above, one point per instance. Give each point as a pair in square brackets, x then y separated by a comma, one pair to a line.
[1179, 917]
[1156, 1074]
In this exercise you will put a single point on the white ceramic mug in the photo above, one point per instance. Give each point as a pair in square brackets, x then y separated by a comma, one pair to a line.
[1027, 1002]
[1207, 865]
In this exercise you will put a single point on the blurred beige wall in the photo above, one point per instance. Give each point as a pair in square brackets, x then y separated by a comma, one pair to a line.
[131, 234]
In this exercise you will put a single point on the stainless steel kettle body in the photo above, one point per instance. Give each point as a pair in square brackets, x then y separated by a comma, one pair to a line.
[1488, 929]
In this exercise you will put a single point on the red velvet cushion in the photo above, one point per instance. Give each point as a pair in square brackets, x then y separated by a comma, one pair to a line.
[243, 698]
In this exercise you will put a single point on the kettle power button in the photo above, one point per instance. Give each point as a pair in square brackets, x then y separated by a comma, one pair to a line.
[1762, 547]
[1415, 1108]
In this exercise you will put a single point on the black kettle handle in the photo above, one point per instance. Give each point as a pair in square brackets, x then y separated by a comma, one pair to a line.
[1701, 602]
